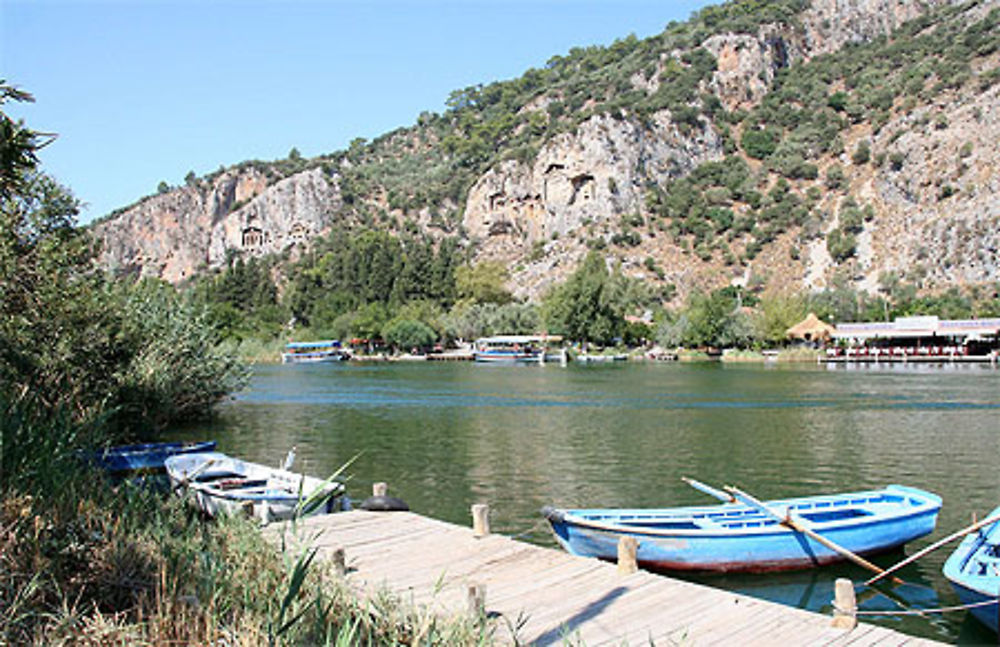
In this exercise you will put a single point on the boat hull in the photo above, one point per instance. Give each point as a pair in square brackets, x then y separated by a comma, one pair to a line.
[974, 572]
[727, 539]
[312, 358]
[144, 457]
[507, 358]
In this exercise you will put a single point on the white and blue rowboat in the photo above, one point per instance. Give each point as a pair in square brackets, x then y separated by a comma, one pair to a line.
[736, 537]
[220, 484]
[974, 572]
[143, 457]
[303, 352]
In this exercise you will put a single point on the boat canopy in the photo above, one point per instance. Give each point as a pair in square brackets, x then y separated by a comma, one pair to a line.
[328, 343]
[518, 339]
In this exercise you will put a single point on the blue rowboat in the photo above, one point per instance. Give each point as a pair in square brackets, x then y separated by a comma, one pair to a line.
[147, 456]
[974, 571]
[734, 537]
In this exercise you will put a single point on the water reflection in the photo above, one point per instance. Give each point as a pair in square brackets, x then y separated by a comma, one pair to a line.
[447, 435]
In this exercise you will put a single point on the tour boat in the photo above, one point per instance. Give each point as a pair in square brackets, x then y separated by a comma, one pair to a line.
[974, 572]
[300, 352]
[752, 537]
[144, 457]
[220, 484]
[512, 349]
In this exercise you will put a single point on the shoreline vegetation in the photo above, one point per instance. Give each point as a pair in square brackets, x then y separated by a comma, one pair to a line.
[87, 361]
[259, 352]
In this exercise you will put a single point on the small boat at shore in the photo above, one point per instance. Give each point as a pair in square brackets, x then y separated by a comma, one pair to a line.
[308, 352]
[220, 484]
[509, 349]
[974, 572]
[143, 457]
[517, 349]
[740, 537]
[586, 358]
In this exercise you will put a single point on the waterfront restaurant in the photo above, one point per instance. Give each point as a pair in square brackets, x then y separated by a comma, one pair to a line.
[917, 338]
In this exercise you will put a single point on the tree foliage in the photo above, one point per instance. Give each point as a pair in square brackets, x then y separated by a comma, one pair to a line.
[78, 342]
[591, 305]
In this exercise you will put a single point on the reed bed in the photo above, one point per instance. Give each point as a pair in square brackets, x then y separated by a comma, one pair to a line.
[87, 561]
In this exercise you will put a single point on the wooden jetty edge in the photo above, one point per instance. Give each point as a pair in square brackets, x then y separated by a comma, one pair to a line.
[559, 598]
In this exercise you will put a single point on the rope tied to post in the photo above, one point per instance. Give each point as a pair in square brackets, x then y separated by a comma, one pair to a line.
[917, 612]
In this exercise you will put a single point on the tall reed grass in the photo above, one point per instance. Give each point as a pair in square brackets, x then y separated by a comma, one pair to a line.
[84, 560]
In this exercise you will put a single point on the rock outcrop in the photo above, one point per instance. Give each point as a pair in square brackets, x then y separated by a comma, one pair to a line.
[590, 177]
[177, 234]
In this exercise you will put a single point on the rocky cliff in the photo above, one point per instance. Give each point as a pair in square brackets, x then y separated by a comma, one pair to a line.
[931, 191]
[179, 233]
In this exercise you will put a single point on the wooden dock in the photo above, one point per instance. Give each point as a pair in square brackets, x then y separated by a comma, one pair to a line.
[558, 598]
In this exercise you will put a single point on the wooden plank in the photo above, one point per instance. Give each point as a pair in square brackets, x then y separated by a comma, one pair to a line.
[775, 626]
[464, 559]
[741, 628]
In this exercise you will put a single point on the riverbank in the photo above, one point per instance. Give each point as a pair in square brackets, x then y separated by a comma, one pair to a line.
[255, 351]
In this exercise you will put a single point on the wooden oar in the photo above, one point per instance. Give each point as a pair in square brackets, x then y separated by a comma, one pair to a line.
[938, 544]
[798, 526]
[183, 481]
[709, 490]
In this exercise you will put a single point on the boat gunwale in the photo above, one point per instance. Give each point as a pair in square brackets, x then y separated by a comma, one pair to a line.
[244, 495]
[954, 567]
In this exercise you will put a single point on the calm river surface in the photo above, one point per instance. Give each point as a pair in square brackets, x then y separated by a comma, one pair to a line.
[446, 435]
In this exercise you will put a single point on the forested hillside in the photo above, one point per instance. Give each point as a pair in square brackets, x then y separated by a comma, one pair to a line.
[778, 147]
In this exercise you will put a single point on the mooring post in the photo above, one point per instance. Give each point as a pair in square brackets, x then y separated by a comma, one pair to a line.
[339, 559]
[628, 548]
[477, 601]
[480, 520]
[379, 489]
[845, 605]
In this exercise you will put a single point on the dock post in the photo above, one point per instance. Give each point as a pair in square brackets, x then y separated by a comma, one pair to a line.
[379, 489]
[339, 559]
[845, 605]
[628, 548]
[477, 601]
[480, 520]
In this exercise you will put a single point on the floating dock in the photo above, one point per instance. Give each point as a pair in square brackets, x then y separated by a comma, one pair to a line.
[553, 598]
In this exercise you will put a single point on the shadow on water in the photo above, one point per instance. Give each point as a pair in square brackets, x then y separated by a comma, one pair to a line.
[446, 435]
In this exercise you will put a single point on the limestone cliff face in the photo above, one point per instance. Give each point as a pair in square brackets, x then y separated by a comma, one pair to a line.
[176, 234]
[939, 210]
[747, 63]
[831, 24]
[591, 177]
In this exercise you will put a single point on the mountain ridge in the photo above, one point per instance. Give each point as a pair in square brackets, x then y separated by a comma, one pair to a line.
[697, 158]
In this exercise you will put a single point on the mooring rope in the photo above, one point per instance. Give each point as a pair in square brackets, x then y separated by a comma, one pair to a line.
[918, 612]
[522, 535]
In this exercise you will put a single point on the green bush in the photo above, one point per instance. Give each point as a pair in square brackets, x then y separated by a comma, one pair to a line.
[862, 154]
[760, 143]
[406, 334]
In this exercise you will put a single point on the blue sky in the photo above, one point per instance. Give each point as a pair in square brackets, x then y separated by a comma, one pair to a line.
[144, 91]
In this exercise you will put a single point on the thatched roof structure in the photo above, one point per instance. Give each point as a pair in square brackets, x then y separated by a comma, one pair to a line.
[811, 328]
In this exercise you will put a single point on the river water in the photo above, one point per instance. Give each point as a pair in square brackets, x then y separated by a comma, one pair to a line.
[447, 435]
